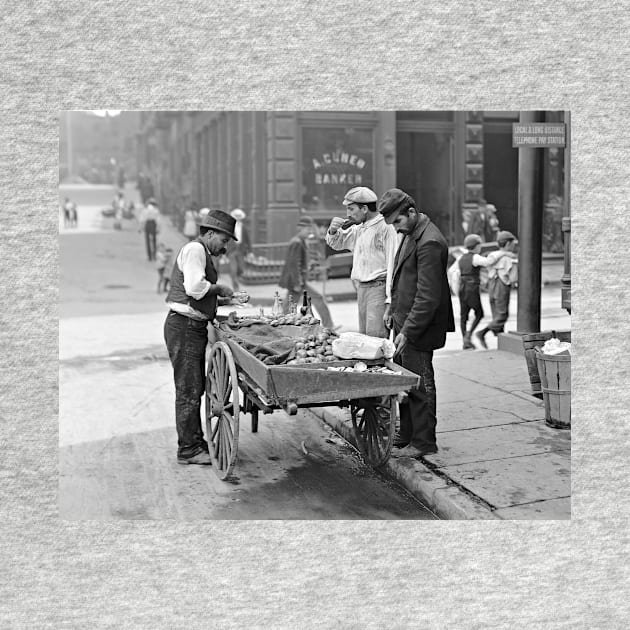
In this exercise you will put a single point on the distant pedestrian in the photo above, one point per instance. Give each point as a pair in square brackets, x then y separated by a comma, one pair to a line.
[191, 229]
[237, 250]
[149, 223]
[501, 277]
[294, 275]
[421, 314]
[469, 293]
[119, 209]
[160, 263]
[168, 268]
[70, 215]
[373, 244]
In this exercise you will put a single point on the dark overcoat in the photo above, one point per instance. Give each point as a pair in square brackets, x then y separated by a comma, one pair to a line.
[421, 298]
[293, 275]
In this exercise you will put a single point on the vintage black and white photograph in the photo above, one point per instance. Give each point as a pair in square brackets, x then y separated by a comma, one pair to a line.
[314, 315]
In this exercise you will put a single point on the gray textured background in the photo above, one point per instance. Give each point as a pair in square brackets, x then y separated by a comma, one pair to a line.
[329, 55]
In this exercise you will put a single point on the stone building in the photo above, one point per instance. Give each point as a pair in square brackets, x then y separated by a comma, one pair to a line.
[276, 165]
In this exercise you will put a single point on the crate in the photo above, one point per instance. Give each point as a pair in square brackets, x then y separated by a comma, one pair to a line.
[532, 341]
[555, 378]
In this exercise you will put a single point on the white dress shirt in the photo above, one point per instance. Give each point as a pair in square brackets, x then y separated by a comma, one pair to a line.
[374, 244]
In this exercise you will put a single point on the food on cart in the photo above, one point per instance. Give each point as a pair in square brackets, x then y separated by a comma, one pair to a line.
[236, 321]
[240, 297]
[351, 345]
[359, 366]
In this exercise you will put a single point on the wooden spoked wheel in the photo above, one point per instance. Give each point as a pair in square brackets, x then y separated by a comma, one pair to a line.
[374, 422]
[222, 409]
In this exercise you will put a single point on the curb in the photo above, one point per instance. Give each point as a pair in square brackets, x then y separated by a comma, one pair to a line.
[441, 495]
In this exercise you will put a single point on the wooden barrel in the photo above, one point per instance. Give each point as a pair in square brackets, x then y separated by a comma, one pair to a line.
[532, 341]
[555, 378]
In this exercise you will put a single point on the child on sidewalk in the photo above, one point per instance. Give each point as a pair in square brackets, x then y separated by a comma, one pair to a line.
[164, 264]
[501, 277]
[470, 264]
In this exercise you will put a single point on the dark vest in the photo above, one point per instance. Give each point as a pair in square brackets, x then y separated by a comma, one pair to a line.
[208, 303]
[469, 273]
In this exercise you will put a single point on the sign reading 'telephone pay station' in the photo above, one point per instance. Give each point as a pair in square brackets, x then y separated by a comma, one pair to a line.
[536, 135]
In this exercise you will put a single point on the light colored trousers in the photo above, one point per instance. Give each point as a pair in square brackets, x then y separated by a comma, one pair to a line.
[371, 310]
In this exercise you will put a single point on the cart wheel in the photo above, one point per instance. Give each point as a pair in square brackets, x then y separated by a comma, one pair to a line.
[374, 422]
[222, 409]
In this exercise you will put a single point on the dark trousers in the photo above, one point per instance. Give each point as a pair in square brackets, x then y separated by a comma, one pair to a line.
[418, 413]
[186, 340]
[150, 231]
[470, 299]
[499, 303]
[317, 302]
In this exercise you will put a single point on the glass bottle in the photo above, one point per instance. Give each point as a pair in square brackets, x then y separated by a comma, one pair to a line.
[275, 309]
[304, 307]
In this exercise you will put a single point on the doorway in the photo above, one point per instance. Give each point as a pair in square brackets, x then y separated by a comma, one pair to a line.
[424, 169]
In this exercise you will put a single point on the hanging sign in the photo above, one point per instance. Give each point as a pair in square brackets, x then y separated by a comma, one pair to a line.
[539, 135]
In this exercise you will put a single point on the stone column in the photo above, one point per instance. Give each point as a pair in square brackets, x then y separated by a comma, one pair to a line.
[282, 176]
[385, 159]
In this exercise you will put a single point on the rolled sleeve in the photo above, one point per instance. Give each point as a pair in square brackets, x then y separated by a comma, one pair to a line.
[342, 239]
[192, 262]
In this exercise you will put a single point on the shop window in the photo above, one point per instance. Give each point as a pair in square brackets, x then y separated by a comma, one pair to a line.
[333, 161]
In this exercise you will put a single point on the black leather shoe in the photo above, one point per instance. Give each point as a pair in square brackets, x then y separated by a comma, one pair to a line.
[399, 442]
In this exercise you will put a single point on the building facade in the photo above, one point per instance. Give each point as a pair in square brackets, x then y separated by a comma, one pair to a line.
[277, 165]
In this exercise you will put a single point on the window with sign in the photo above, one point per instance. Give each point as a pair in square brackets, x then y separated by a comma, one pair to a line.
[333, 161]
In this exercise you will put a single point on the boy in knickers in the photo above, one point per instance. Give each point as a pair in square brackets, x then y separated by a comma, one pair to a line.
[469, 292]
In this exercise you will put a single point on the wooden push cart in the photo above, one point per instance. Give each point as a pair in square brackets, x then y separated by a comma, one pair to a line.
[238, 382]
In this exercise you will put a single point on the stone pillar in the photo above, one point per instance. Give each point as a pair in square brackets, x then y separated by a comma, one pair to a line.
[256, 157]
[282, 176]
[385, 162]
[473, 163]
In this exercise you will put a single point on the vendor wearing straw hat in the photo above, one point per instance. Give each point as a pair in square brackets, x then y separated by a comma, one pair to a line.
[193, 298]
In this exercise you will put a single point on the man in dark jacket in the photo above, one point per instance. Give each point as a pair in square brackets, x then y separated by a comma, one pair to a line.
[421, 314]
[294, 274]
[192, 299]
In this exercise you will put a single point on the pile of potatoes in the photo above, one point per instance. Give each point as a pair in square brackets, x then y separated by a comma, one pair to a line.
[314, 348]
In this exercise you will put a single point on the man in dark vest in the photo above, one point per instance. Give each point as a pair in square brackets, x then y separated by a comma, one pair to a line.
[193, 298]
[420, 314]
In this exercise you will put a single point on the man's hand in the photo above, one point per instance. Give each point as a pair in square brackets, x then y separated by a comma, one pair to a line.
[224, 291]
[335, 224]
[400, 342]
[388, 320]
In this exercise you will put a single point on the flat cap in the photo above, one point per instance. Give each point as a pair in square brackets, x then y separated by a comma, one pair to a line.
[504, 235]
[472, 240]
[305, 221]
[394, 200]
[360, 194]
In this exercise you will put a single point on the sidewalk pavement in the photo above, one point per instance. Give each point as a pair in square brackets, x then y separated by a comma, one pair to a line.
[497, 458]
